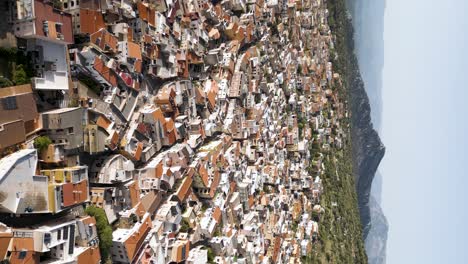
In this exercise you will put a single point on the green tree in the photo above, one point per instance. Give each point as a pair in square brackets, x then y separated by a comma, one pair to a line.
[4, 82]
[42, 143]
[211, 255]
[57, 4]
[104, 230]
[19, 75]
[184, 227]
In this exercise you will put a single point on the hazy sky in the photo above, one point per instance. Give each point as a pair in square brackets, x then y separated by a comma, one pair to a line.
[425, 130]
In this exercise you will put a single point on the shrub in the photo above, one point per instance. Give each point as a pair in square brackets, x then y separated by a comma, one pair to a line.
[104, 230]
[4, 82]
[42, 143]
[19, 75]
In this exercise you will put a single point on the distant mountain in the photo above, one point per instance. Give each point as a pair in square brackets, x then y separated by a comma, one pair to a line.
[376, 241]
[368, 23]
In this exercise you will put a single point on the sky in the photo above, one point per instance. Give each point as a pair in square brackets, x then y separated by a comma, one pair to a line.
[425, 131]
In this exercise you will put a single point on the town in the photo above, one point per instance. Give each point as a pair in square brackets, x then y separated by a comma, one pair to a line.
[165, 131]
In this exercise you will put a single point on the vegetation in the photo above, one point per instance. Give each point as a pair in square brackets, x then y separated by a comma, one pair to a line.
[92, 85]
[19, 75]
[42, 143]
[57, 4]
[5, 82]
[340, 239]
[15, 67]
[104, 230]
[184, 227]
[340, 232]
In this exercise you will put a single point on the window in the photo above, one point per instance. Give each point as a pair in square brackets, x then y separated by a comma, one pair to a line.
[9, 103]
[65, 5]
[70, 130]
[65, 232]
[72, 3]
[59, 234]
[22, 254]
[58, 28]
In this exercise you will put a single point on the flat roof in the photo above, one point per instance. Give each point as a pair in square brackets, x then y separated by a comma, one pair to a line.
[60, 110]
[7, 162]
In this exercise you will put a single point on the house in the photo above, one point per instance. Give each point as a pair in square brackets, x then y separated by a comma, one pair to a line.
[89, 22]
[18, 115]
[197, 256]
[112, 169]
[170, 215]
[67, 187]
[54, 241]
[17, 171]
[179, 251]
[39, 19]
[65, 126]
[50, 61]
[126, 243]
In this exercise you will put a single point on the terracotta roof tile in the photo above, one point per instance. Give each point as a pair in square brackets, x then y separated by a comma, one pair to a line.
[134, 50]
[91, 21]
[90, 255]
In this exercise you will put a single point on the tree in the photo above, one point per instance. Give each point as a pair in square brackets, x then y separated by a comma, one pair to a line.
[19, 75]
[57, 4]
[4, 82]
[42, 143]
[184, 227]
[104, 230]
[211, 255]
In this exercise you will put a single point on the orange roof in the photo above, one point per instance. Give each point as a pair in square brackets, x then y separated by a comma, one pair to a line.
[138, 67]
[147, 14]
[212, 98]
[134, 193]
[104, 40]
[90, 255]
[134, 50]
[134, 241]
[97, 196]
[217, 214]
[169, 125]
[114, 140]
[20, 243]
[91, 21]
[184, 188]
[138, 151]
[30, 258]
[103, 122]
[105, 71]
[130, 34]
[251, 200]
[158, 170]
[276, 248]
[140, 209]
[5, 238]
[204, 175]
[75, 193]
[158, 115]
[180, 251]
[87, 220]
